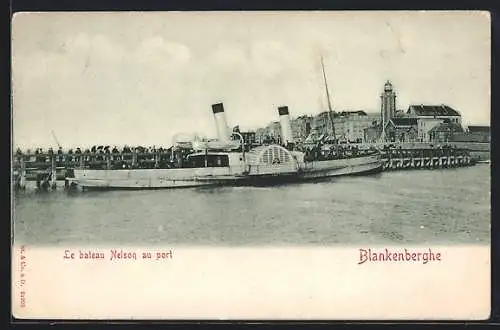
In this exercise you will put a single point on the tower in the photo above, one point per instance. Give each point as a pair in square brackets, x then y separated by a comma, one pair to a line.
[388, 104]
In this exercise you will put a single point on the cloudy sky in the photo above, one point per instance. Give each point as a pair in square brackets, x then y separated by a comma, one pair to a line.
[140, 78]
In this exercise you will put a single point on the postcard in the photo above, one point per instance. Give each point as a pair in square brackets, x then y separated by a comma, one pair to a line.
[298, 165]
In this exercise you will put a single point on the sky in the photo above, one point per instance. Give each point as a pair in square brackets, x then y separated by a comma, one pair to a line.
[141, 78]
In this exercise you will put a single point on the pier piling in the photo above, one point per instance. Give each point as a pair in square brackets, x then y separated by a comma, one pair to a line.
[22, 175]
[53, 172]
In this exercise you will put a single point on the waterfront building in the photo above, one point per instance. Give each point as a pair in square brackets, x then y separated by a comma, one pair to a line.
[322, 123]
[401, 129]
[473, 134]
[430, 116]
[483, 133]
[443, 132]
[433, 123]
[350, 125]
[301, 127]
[269, 134]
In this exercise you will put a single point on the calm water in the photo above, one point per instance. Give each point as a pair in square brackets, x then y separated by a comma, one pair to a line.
[415, 207]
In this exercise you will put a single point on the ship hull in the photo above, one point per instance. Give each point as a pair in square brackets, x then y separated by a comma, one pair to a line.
[97, 184]
[341, 167]
[315, 171]
[88, 179]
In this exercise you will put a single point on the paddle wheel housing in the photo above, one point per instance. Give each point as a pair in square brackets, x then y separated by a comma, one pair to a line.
[271, 159]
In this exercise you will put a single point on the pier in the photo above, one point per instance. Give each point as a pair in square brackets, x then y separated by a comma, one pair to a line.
[442, 158]
[46, 169]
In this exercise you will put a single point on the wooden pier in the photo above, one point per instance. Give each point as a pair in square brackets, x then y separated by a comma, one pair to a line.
[49, 168]
[407, 159]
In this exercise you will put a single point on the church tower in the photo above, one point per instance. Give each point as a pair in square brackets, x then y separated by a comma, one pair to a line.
[388, 103]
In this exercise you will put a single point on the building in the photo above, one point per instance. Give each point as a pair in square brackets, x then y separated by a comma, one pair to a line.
[322, 123]
[404, 129]
[430, 116]
[435, 111]
[444, 132]
[350, 125]
[482, 133]
[302, 127]
[473, 134]
[269, 134]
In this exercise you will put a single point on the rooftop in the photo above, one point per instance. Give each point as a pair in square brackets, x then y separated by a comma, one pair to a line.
[404, 121]
[479, 129]
[446, 127]
[350, 113]
[432, 110]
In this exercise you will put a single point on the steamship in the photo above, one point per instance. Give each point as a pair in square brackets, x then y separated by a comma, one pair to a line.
[226, 162]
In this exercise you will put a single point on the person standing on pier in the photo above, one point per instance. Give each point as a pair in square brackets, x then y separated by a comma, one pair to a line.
[19, 155]
[51, 154]
[115, 153]
[78, 154]
[60, 157]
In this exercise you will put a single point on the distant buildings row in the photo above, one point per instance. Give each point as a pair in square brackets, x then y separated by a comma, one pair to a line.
[420, 123]
[348, 126]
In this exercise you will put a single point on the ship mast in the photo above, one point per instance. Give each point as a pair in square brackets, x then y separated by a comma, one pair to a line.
[330, 110]
[55, 138]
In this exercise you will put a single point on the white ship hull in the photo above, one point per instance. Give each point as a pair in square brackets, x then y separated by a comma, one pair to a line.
[145, 178]
[230, 175]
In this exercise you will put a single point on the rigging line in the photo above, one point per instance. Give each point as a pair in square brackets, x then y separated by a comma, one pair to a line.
[328, 99]
[55, 138]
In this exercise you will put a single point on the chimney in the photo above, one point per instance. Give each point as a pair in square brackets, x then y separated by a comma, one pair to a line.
[220, 122]
[286, 127]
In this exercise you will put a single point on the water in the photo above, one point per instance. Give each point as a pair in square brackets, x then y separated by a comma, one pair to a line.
[412, 207]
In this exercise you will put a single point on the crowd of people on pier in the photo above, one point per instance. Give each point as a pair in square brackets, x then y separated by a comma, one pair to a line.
[392, 151]
[335, 151]
[94, 154]
[99, 150]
